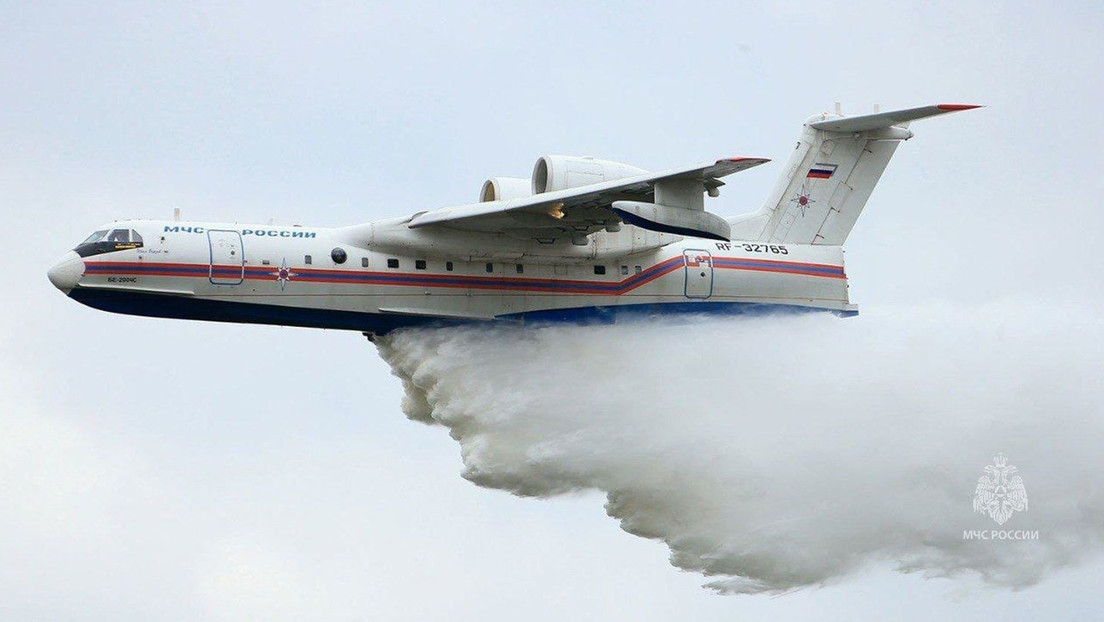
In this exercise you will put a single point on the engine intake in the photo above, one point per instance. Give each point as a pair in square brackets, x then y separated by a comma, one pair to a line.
[503, 188]
[552, 173]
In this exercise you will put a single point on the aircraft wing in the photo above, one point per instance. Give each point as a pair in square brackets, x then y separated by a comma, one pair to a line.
[583, 210]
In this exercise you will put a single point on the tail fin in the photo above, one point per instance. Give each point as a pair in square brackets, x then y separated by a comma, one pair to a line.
[830, 176]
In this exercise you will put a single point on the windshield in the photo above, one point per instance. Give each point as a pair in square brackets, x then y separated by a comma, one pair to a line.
[120, 235]
[95, 237]
[109, 241]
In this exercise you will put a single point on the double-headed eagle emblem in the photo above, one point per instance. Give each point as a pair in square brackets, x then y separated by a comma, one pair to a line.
[1000, 492]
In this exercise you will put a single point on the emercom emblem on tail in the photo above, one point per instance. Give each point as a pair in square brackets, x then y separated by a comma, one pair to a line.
[804, 198]
[830, 176]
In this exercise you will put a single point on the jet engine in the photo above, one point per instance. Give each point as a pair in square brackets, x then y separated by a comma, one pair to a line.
[552, 173]
[502, 188]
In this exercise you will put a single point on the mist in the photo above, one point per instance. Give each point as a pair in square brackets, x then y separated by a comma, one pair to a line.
[772, 454]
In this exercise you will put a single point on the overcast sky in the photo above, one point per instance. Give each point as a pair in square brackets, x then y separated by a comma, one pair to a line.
[172, 470]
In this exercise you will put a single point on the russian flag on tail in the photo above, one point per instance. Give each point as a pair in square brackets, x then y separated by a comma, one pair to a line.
[821, 171]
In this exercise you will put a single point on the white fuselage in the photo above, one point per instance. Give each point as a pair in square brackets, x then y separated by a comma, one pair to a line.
[582, 239]
[333, 278]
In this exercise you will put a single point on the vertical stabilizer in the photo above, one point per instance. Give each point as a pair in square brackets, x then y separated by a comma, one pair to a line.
[830, 176]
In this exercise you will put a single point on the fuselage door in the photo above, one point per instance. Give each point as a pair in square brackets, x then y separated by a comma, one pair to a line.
[227, 257]
[698, 265]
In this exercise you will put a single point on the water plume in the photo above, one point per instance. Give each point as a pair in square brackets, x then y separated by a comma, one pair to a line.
[776, 453]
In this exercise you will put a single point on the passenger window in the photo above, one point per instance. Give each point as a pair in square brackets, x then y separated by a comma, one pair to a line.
[448, 266]
[419, 264]
[490, 267]
[599, 269]
[307, 259]
[624, 270]
[519, 268]
[637, 269]
[363, 262]
[392, 263]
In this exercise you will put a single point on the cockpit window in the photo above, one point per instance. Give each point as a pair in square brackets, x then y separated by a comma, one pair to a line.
[95, 237]
[102, 242]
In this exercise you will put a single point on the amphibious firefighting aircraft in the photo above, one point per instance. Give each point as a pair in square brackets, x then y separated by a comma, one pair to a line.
[583, 239]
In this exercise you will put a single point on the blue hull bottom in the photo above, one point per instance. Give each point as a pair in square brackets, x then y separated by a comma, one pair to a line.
[187, 308]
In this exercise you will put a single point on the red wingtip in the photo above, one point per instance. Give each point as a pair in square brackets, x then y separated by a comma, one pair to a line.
[952, 107]
[742, 159]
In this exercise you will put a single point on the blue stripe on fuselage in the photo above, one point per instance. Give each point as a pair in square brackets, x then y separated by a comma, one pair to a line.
[191, 308]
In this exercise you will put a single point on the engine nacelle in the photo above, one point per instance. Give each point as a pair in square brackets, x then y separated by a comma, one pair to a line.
[502, 188]
[552, 173]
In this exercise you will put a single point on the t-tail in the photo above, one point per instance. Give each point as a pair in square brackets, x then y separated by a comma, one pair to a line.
[830, 176]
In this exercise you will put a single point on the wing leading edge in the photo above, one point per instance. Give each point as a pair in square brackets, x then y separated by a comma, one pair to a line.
[653, 201]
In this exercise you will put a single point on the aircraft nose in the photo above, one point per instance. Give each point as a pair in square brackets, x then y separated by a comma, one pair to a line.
[66, 272]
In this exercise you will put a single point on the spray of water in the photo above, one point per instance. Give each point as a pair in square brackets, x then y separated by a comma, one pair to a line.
[771, 454]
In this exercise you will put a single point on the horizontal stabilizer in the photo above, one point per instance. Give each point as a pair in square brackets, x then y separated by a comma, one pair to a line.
[880, 120]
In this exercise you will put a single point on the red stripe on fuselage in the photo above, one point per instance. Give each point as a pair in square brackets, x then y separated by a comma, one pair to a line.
[452, 281]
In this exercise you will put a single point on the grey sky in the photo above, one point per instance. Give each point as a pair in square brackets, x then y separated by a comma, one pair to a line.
[152, 469]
